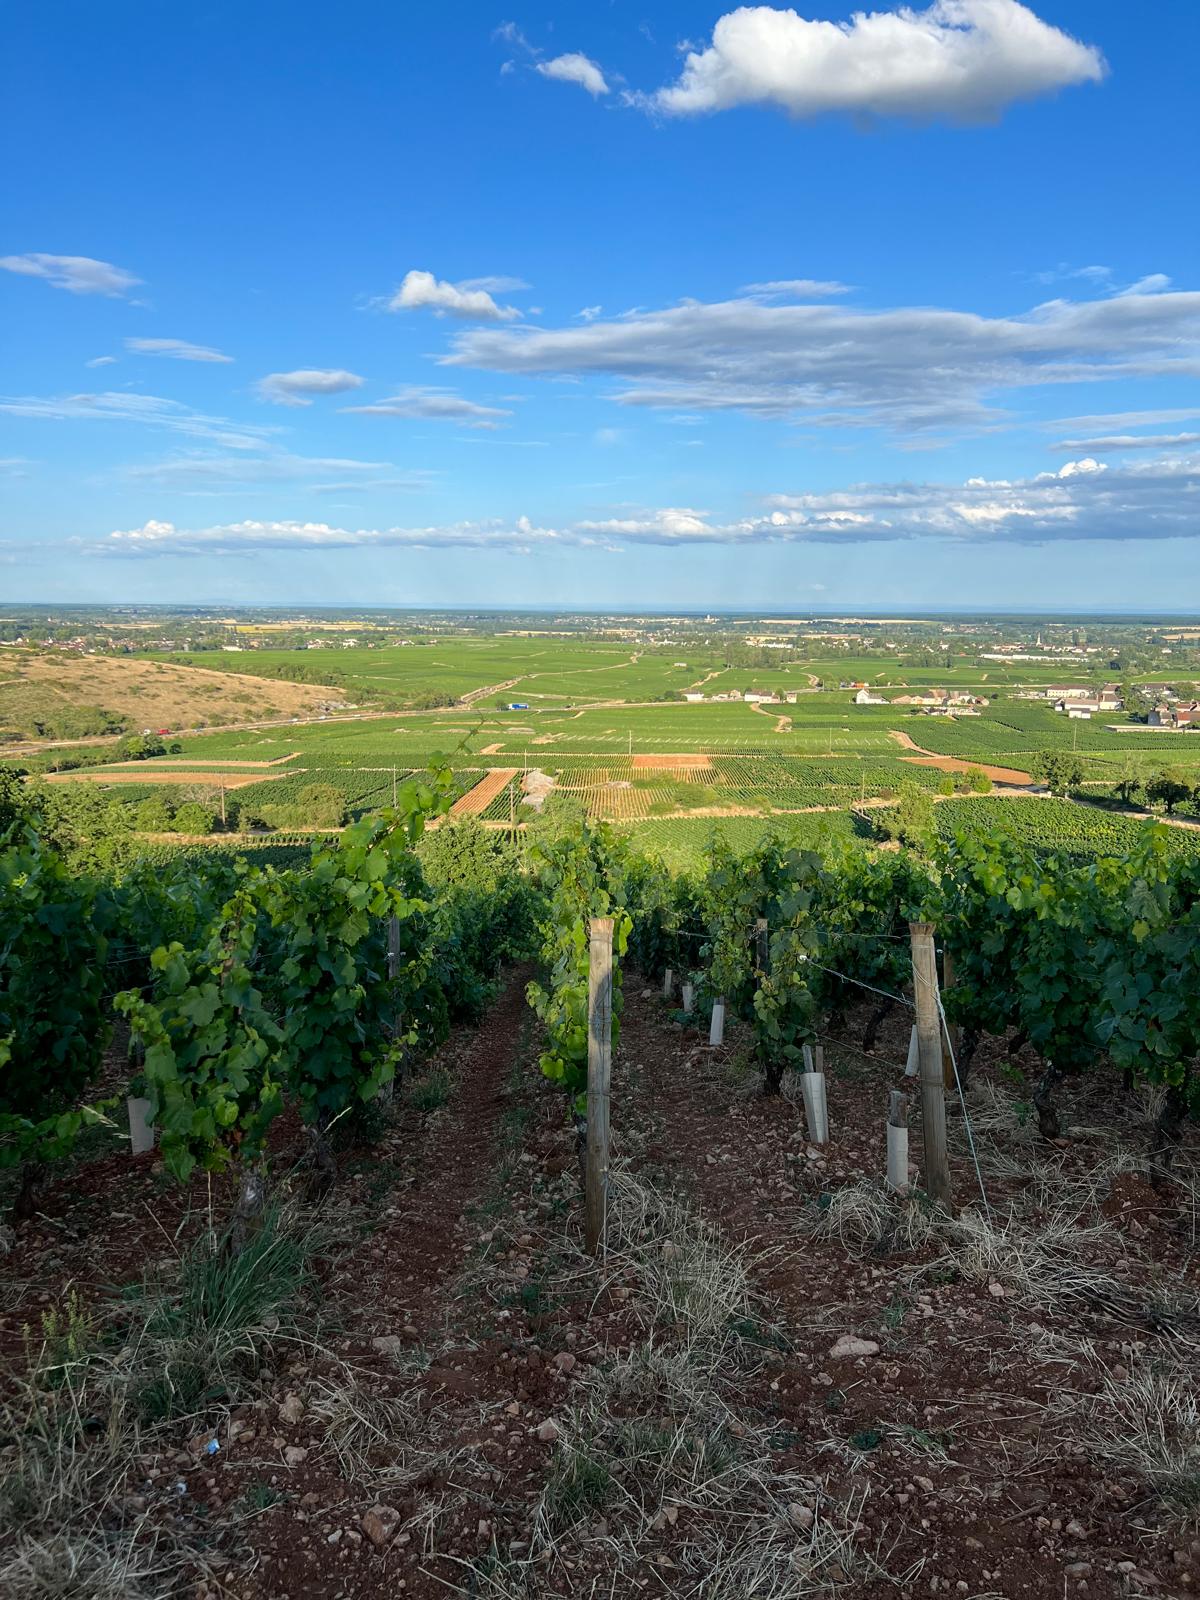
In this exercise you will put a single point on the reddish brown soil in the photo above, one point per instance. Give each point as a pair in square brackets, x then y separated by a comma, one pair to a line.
[455, 1240]
[679, 763]
[485, 791]
[926, 758]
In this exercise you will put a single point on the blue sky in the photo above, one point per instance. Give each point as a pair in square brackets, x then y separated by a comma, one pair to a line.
[625, 303]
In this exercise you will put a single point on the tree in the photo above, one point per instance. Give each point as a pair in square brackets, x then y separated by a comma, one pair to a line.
[152, 815]
[1129, 782]
[1167, 789]
[1059, 771]
[141, 747]
[977, 781]
[910, 820]
[191, 817]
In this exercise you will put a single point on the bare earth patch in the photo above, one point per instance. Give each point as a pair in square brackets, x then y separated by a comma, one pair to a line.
[485, 791]
[159, 694]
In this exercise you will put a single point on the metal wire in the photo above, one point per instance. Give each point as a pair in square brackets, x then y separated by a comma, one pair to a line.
[962, 1101]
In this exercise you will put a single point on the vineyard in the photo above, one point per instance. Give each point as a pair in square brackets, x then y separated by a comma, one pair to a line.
[363, 1079]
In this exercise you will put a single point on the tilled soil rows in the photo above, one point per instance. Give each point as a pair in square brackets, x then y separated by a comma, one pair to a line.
[776, 1383]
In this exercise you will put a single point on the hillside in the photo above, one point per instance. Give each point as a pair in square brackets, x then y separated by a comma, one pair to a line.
[44, 695]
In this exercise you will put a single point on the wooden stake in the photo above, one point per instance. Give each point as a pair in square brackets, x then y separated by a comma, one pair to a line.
[897, 1142]
[668, 983]
[689, 997]
[600, 956]
[762, 942]
[929, 1050]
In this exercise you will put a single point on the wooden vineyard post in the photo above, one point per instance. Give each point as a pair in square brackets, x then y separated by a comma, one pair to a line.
[953, 1033]
[929, 1049]
[600, 977]
[897, 1142]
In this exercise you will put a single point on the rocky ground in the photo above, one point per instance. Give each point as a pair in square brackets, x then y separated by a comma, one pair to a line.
[778, 1381]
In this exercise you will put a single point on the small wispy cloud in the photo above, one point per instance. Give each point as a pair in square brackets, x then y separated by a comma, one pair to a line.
[437, 405]
[574, 67]
[299, 388]
[176, 350]
[796, 289]
[75, 274]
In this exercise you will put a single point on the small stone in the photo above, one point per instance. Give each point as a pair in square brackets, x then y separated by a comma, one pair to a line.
[800, 1516]
[1078, 1569]
[849, 1346]
[295, 1455]
[565, 1361]
[292, 1409]
[547, 1431]
[997, 1290]
[1075, 1529]
[380, 1524]
[388, 1343]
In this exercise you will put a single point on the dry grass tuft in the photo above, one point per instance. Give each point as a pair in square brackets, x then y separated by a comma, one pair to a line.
[696, 1284]
[866, 1218]
[367, 1432]
[72, 1566]
[1148, 1425]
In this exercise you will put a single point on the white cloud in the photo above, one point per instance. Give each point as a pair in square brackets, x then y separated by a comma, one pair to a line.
[297, 388]
[796, 289]
[422, 289]
[1073, 469]
[575, 68]
[1083, 501]
[496, 283]
[911, 369]
[175, 350]
[101, 361]
[437, 405]
[237, 538]
[959, 60]
[151, 411]
[1131, 441]
[207, 472]
[76, 274]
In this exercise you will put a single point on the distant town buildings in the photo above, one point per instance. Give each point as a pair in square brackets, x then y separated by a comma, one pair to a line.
[1083, 704]
[1183, 714]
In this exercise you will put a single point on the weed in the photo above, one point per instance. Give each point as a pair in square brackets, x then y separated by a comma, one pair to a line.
[430, 1090]
[68, 1337]
[205, 1333]
[262, 1496]
[578, 1485]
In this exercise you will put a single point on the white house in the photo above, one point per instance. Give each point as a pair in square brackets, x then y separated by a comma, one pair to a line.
[864, 697]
